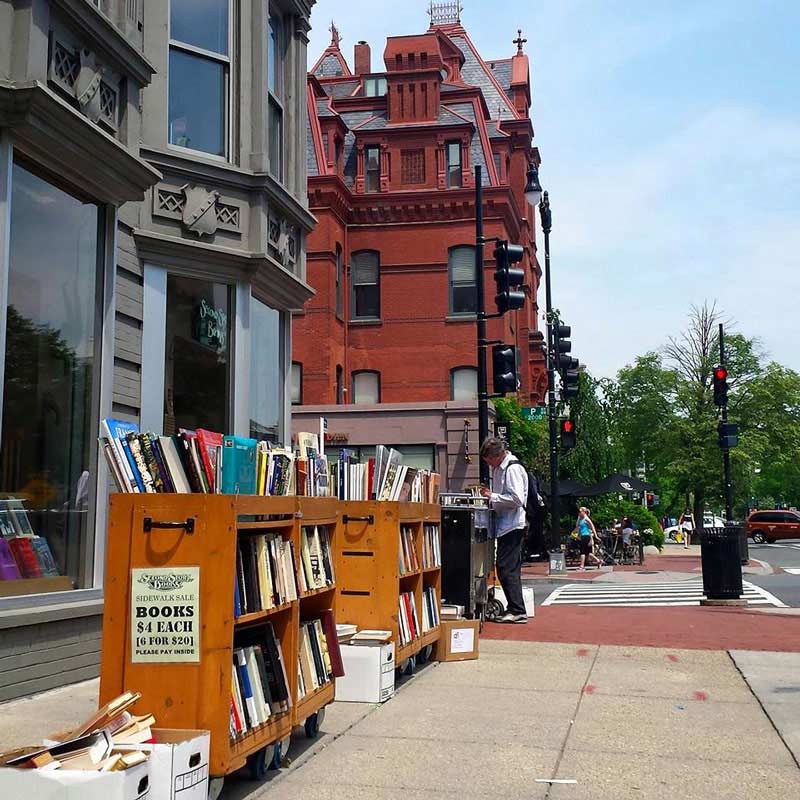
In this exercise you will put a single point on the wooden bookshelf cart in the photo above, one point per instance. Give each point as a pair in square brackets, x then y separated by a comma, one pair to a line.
[195, 530]
[368, 578]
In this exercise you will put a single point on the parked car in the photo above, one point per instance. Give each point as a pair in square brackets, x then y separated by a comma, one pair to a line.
[769, 526]
[675, 532]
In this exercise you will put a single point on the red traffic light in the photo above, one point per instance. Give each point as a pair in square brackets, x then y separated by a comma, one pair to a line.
[567, 426]
[720, 373]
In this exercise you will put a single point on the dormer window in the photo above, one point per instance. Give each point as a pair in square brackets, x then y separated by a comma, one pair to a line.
[374, 87]
[372, 169]
[453, 156]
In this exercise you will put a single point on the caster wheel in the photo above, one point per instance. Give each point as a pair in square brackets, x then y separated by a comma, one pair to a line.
[494, 610]
[424, 655]
[258, 763]
[312, 726]
[215, 788]
[409, 667]
[280, 752]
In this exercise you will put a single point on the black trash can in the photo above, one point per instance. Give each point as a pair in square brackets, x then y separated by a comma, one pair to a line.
[722, 565]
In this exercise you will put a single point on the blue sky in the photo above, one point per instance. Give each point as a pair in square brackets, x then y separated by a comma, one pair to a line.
[670, 142]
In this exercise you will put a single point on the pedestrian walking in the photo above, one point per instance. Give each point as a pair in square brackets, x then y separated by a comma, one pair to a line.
[586, 534]
[507, 498]
[686, 524]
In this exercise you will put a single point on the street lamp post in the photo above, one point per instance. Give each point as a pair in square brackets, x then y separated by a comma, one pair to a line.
[534, 195]
[483, 389]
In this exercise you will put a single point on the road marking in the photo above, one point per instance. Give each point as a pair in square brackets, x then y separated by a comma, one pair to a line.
[667, 593]
[791, 570]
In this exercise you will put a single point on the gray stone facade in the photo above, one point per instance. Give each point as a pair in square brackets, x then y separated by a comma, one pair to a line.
[84, 98]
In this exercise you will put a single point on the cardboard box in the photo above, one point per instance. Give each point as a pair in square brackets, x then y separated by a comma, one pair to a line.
[76, 784]
[527, 597]
[368, 673]
[458, 640]
[178, 764]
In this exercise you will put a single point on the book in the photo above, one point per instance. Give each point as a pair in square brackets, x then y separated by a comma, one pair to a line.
[115, 431]
[207, 444]
[145, 478]
[25, 556]
[9, 571]
[174, 464]
[44, 557]
[238, 465]
[240, 662]
[371, 637]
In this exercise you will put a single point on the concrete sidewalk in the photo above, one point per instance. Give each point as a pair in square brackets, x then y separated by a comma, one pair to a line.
[622, 722]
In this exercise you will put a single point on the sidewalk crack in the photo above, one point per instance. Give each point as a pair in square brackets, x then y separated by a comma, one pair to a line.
[563, 748]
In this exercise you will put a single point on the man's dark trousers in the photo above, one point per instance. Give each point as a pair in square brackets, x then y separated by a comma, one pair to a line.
[509, 567]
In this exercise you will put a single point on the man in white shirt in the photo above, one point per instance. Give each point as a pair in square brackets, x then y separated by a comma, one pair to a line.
[508, 499]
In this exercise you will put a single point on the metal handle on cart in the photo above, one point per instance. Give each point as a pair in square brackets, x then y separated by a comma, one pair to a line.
[369, 519]
[148, 524]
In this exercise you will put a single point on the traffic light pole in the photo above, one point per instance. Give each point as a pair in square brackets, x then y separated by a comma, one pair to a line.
[555, 530]
[483, 390]
[726, 452]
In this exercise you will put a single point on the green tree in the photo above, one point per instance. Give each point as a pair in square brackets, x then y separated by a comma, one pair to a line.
[529, 438]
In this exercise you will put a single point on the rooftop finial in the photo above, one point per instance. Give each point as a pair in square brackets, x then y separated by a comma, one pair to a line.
[519, 41]
[445, 13]
[335, 35]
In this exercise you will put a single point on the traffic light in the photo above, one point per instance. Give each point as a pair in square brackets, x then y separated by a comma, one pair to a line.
[509, 279]
[720, 386]
[569, 437]
[504, 369]
[569, 380]
[728, 435]
[562, 346]
[651, 499]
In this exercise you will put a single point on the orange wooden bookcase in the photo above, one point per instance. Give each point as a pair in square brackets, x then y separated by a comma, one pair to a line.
[197, 695]
[368, 579]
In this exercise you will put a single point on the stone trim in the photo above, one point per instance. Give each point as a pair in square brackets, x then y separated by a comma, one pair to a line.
[170, 202]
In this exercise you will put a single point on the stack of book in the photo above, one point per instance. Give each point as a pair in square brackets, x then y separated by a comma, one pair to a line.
[431, 548]
[313, 477]
[259, 685]
[319, 657]
[407, 557]
[430, 609]
[92, 746]
[316, 559]
[408, 622]
[195, 461]
[23, 554]
[345, 632]
[265, 573]
[383, 477]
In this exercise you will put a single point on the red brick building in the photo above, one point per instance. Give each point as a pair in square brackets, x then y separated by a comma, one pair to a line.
[391, 153]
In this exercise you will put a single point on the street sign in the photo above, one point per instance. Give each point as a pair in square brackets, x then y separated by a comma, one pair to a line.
[534, 412]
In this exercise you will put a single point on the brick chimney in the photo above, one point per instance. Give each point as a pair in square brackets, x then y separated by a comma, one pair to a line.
[362, 58]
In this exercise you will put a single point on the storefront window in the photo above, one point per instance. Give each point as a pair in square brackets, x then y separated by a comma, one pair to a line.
[48, 413]
[198, 355]
[266, 389]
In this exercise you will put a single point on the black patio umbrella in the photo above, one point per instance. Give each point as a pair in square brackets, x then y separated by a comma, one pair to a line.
[566, 488]
[616, 484]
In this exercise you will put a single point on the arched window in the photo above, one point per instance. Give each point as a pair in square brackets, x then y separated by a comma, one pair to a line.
[366, 387]
[464, 383]
[461, 272]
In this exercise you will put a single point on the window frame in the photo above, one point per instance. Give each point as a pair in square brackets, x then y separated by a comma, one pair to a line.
[354, 316]
[463, 368]
[451, 283]
[228, 60]
[367, 172]
[339, 279]
[299, 401]
[276, 98]
[357, 374]
[449, 166]
[339, 385]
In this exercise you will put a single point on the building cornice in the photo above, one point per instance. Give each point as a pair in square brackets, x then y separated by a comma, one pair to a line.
[221, 175]
[107, 39]
[272, 283]
[60, 139]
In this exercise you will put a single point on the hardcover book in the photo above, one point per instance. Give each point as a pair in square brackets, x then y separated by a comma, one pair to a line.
[238, 465]
[208, 442]
[9, 571]
[45, 558]
[25, 557]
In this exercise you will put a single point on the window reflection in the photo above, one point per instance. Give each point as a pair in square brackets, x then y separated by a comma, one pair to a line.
[266, 390]
[47, 428]
[198, 343]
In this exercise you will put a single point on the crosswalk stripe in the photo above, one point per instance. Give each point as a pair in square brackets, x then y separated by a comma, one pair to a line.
[672, 593]
[791, 570]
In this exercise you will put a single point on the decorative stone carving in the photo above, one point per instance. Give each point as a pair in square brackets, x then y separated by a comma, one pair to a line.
[282, 242]
[170, 202]
[87, 86]
[199, 210]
